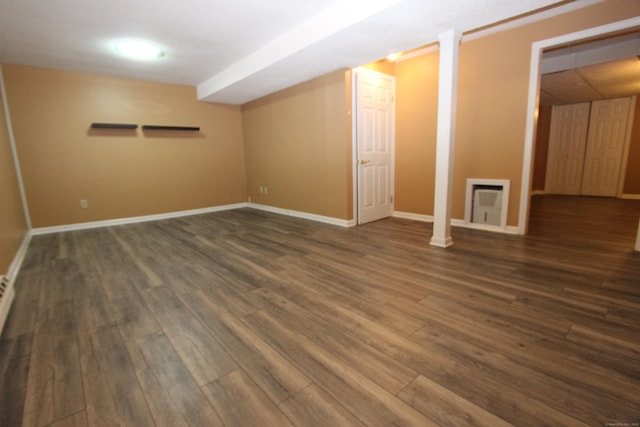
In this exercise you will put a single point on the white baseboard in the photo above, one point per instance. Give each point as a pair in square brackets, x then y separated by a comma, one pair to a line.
[10, 277]
[169, 215]
[8, 295]
[304, 215]
[621, 196]
[413, 216]
[14, 268]
[630, 196]
[135, 219]
[456, 223]
[497, 229]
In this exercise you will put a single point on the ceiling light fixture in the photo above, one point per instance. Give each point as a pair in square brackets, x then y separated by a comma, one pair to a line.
[394, 57]
[136, 49]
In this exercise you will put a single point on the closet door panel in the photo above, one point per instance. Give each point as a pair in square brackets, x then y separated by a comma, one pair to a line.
[567, 142]
[605, 147]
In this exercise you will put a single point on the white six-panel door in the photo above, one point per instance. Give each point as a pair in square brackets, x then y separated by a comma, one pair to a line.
[375, 144]
[567, 143]
[605, 147]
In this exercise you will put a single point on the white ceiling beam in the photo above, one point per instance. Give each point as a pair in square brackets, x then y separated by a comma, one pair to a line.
[336, 18]
[612, 49]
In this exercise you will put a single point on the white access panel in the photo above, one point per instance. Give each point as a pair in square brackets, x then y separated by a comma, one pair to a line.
[487, 206]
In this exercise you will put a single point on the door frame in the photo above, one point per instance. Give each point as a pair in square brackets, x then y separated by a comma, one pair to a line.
[627, 146]
[537, 49]
[354, 138]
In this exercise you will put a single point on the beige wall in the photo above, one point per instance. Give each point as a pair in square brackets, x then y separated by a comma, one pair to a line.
[13, 225]
[297, 144]
[382, 66]
[492, 106]
[416, 114]
[120, 173]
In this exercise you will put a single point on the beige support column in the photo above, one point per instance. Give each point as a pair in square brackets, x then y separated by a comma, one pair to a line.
[445, 142]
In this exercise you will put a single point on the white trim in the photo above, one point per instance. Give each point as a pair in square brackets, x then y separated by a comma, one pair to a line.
[304, 215]
[178, 214]
[14, 151]
[494, 228]
[5, 305]
[530, 19]
[14, 268]
[354, 145]
[413, 216]
[457, 223]
[12, 274]
[629, 196]
[506, 26]
[532, 106]
[133, 220]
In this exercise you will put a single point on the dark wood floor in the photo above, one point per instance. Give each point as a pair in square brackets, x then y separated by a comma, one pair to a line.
[249, 318]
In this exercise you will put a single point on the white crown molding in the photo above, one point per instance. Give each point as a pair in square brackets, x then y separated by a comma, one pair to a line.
[506, 26]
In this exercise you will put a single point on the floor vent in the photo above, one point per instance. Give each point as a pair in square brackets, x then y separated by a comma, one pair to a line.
[6, 298]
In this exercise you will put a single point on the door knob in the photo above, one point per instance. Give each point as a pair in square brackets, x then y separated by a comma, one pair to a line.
[364, 162]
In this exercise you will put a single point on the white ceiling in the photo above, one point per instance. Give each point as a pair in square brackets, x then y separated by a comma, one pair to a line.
[608, 80]
[234, 51]
[591, 70]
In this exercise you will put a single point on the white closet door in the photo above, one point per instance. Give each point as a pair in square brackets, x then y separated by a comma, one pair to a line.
[567, 142]
[605, 147]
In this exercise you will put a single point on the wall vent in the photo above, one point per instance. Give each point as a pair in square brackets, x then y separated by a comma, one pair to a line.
[487, 203]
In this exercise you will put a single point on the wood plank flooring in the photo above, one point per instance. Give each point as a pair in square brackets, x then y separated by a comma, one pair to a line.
[246, 318]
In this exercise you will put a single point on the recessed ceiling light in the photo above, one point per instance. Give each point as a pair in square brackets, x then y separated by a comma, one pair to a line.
[136, 49]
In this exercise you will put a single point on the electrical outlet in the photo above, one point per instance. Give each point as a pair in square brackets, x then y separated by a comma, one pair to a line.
[84, 203]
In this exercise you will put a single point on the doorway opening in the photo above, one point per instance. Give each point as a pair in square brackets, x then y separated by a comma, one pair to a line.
[537, 50]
